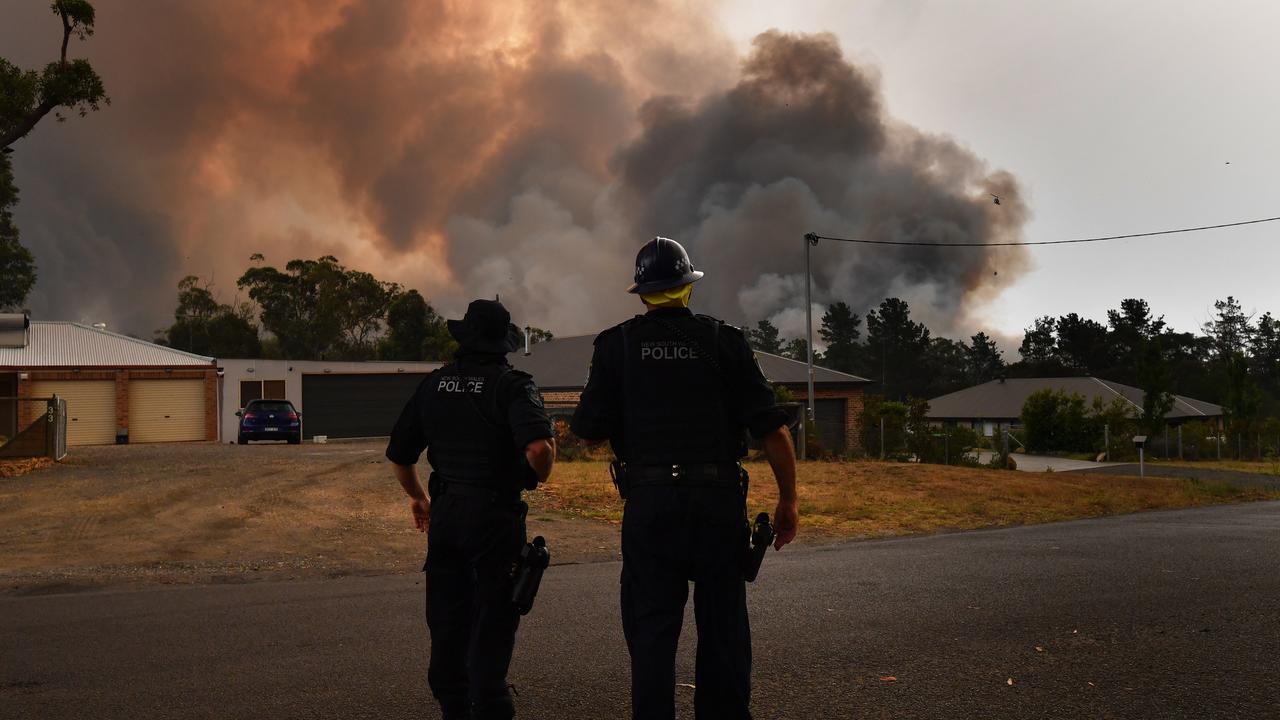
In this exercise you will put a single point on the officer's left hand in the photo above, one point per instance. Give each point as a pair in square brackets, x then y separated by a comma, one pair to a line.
[421, 510]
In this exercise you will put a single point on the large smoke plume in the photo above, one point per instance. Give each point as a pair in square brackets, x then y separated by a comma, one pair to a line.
[472, 149]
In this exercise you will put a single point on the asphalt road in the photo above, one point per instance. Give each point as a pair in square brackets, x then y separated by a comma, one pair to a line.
[1159, 615]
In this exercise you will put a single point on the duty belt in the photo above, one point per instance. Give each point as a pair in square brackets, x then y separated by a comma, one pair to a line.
[712, 474]
[440, 486]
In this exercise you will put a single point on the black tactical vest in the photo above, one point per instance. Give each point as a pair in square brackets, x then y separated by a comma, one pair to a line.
[675, 404]
[470, 440]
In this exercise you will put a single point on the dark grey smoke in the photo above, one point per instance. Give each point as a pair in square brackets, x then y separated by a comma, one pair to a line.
[470, 149]
[801, 143]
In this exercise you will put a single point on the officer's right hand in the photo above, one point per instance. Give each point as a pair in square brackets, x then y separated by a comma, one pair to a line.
[786, 520]
[421, 509]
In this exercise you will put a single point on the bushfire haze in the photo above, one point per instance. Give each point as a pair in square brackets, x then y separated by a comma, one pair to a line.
[524, 149]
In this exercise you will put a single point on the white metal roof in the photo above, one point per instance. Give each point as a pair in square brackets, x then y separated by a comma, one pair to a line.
[68, 344]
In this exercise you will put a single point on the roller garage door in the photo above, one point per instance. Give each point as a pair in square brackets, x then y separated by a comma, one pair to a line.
[166, 411]
[350, 405]
[91, 408]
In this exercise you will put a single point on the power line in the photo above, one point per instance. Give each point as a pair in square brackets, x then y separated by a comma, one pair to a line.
[813, 238]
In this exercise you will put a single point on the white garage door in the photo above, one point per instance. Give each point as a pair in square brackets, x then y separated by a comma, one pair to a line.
[91, 408]
[166, 410]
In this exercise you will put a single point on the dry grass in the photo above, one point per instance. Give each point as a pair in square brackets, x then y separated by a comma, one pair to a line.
[22, 466]
[208, 513]
[201, 512]
[867, 499]
[1260, 467]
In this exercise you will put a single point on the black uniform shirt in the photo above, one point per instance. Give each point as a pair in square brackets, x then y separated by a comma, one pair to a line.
[748, 395]
[525, 415]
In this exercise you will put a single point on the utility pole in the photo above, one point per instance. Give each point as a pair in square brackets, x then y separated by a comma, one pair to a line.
[811, 240]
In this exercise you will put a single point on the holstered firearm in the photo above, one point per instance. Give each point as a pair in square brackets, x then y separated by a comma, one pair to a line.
[618, 473]
[761, 538]
[534, 559]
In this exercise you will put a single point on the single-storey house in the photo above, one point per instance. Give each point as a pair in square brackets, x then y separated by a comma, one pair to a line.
[118, 389]
[996, 405]
[336, 399]
[363, 399]
[560, 368]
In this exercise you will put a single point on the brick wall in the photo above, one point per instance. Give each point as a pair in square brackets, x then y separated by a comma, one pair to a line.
[210, 405]
[122, 377]
[561, 398]
[25, 413]
[853, 397]
[122, 403]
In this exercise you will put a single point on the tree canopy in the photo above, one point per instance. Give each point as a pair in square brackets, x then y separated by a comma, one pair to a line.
[764, 337]
[320, 309]
[415, 331]
[840, 331]
[27, 97]
[17, 266]
[204, 326]
[311, 310]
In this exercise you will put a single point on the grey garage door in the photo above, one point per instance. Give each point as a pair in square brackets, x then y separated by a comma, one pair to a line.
[829, 415]
[346, 406]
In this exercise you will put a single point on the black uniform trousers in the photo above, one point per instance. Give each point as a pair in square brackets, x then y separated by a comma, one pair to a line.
[670, 536]
[472, 543]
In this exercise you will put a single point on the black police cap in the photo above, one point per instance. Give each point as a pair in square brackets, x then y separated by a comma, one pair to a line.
[662, 264]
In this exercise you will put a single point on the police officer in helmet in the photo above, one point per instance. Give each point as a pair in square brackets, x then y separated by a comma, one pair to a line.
[487, 437]
[674, 392]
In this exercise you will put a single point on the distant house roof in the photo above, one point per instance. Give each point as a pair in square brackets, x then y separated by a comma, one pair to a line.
[562, 364]
[68, 344]
[1003, 399]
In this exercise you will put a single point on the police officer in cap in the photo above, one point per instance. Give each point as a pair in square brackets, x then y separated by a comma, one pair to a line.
[487, 437]
[674, 392]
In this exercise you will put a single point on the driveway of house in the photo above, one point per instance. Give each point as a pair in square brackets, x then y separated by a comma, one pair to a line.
[1047, 463]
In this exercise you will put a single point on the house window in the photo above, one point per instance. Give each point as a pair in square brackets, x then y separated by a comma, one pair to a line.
[261, 389]
[273, 389]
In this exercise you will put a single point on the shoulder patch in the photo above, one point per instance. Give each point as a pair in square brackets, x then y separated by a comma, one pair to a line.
[519, 375]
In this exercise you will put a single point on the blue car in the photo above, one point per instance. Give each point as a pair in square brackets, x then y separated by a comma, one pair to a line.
[270, 420]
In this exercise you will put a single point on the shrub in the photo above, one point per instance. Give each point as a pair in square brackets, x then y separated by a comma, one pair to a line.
[1054, 421]
[570, 447]
[894, 414]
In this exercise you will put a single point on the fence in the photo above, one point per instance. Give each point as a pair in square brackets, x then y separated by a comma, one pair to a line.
[892, 438]
[42, 432]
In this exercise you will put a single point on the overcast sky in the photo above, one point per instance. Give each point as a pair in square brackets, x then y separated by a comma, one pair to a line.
[1116, 118]
[489, 148]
